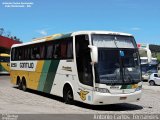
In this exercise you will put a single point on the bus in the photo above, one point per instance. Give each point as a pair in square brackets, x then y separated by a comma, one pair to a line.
[4, 63]
[159, 69]
[149, 63]
[149, 68]
[93, 67]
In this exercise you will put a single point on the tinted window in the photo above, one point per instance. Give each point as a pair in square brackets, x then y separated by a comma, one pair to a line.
[49, 51]
[155, 75]
[4, 59]
[83, 60]
[13, 54]
[58, 49]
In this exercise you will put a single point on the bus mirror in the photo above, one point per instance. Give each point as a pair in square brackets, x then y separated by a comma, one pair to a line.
[94, 53]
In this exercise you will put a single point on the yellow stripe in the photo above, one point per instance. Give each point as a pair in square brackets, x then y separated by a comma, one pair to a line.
[5, 65]
[34, 77]
[47, 38]
[4, 55]
[134, 86]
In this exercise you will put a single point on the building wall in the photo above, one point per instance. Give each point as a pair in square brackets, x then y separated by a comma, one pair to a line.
[6, 43]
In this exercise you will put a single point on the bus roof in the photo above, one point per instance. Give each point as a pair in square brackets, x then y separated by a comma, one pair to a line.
[100, 32]
[60, 36]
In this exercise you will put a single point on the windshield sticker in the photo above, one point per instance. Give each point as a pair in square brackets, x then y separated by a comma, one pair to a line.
[129, 86]
[121, 53]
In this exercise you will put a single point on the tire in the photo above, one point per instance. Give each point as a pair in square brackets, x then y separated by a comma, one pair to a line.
[24, 86]
[151, 83]
[19, 83]
[68, 95]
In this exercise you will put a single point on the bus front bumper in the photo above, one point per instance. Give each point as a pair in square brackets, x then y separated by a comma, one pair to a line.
[107, 98]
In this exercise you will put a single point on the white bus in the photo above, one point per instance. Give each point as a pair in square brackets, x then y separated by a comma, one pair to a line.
[149, 64]
[94, 67]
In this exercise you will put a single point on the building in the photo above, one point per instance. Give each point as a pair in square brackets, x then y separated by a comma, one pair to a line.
[149, 59]
[6, 43]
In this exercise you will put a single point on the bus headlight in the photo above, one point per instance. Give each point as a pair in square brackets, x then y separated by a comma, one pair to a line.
[102, 90]
[138, 88]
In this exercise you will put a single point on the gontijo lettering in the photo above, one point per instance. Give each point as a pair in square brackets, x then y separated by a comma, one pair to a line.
[26, 65]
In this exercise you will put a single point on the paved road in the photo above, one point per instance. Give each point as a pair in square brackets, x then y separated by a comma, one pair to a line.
[16, 101]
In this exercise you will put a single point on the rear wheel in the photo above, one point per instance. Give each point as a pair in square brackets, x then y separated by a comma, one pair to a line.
[152, 83]
[19, 83]
[68, 95]
[24, 86]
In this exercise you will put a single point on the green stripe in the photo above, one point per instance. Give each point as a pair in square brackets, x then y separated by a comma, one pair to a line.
[51, 75]
[44, 75]
[2, 68]
[63, 36]
[126, 87]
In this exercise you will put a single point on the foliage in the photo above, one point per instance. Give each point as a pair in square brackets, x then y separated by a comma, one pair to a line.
[8, 35]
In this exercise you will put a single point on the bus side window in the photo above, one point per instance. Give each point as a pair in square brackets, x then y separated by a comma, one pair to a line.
[25, 53]
[28, 53]
[66, 49]
[57, 51]
[63, 49]
[42, 51]
[70, 50]
[32, 53]
[13, 54]
[20, 54]
[37, 52]
[49, 51]
[16, 53]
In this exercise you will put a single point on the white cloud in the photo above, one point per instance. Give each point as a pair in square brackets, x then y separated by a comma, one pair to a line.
[42, 32]
[135, 28]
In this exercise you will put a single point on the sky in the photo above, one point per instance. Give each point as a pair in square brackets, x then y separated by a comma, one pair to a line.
[45, 17]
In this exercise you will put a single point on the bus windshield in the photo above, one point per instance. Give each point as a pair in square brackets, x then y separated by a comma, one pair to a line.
[117, 64]
[149, 68]
[4, 59]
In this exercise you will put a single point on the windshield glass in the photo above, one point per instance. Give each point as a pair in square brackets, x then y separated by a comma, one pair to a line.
[114, 69]
[144, 61]
[118, 60]
[4, 59]
[113, 41]
[149, 68]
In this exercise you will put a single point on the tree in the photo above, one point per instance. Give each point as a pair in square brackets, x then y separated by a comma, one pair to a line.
[1, 31]
[15, 38]
[8, 34]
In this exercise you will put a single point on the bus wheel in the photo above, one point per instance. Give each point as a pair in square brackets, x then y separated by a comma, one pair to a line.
[68, 95]
[24, 86]
[152, 83]
[19, 83]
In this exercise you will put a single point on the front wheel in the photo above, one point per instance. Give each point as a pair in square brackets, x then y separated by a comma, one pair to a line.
[68, 96]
